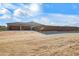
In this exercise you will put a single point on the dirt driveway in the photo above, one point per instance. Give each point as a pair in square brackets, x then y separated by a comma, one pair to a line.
[24, 43]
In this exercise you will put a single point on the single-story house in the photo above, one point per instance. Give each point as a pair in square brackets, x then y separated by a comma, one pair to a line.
[23, 26]
[38, 27]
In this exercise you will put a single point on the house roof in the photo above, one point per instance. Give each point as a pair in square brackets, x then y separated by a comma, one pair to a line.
[34, 24]
[25, 24]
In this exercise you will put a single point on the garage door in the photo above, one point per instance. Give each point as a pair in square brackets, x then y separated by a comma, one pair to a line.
[14, 28]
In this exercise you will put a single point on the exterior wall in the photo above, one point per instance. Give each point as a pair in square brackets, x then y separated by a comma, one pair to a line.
[43, 28]
[25, 28]
[60, 29]
[13, 27]
[57, 28]
[18, 27]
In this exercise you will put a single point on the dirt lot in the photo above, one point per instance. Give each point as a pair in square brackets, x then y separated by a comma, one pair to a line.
[24, 43]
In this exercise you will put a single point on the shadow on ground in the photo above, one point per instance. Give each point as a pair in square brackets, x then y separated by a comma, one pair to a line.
[55, 32]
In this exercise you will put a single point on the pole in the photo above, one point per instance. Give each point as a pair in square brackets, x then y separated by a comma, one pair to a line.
[20, 27]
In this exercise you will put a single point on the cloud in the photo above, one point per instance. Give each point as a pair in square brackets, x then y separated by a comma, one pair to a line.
[28, 12]
[31, 10]
[58, 20]
[34, 12]
[62, 19]
[42, 20]
[18, 12]
[4, 11]
[5, 14]
[9, 6]
[34, 7]
[6, 17]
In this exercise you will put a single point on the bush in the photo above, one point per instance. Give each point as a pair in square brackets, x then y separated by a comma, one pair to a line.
[3, 28]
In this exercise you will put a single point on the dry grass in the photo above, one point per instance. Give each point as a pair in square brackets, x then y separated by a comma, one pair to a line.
[34, 43]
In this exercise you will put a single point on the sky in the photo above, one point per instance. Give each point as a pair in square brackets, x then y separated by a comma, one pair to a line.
[59, 14]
